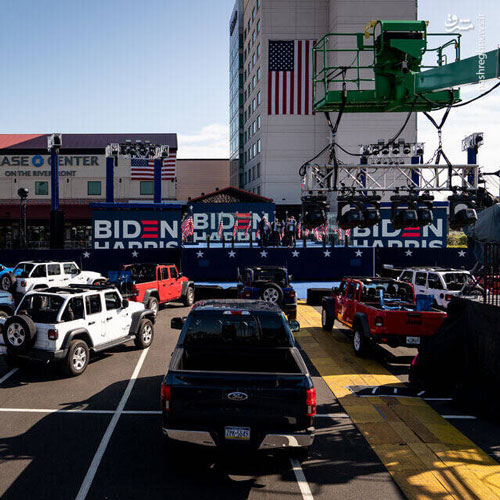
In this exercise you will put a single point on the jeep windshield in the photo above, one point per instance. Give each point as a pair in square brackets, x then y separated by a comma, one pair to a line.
[456, 281]
[42, 308]
[236, 329]
[23, 270]
[141, 273]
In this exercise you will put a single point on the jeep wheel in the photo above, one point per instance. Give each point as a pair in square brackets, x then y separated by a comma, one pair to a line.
[7, 282]
[271, 293]
[19, 333]
[326, 320]
[360, 343]
[77, 359]
[153, 305]
[144, 337]
[188, 299]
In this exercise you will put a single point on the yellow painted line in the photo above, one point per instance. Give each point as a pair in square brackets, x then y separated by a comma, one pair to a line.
[426, 456]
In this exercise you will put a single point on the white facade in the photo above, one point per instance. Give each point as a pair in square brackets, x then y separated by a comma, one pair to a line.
[277, 145]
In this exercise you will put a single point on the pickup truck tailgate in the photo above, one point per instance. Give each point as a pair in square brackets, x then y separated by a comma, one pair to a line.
[417, 323]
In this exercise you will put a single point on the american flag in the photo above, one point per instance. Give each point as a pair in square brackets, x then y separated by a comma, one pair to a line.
[290, 90]
[221, 229]
[187, 227]
[143, 169]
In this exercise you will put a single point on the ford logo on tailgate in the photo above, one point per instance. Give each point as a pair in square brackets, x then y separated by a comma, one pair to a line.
[237, 396]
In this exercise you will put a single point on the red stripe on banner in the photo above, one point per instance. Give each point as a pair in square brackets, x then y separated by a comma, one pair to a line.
[269, 93]
[292, 88]
[411, 235]
[306, 69]
[277, 93]
[299, 77]
[149, 236]
[154, 222]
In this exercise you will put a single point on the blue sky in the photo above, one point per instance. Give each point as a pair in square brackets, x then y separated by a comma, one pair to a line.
[162, 66]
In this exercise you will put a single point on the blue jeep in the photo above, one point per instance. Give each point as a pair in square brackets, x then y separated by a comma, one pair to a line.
[7, 305]
[271, 284]
[7, 279]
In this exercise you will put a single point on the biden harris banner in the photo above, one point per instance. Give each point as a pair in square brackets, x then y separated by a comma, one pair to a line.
[384, 235]
[131, 229]
[208, 218]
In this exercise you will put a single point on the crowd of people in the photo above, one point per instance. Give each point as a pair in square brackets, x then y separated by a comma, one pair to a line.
[278, 232]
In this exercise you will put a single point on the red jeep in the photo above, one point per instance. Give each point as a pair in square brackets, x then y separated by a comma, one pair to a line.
[153, 284]
[380, 311]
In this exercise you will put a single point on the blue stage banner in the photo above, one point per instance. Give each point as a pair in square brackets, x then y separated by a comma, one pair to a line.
[384, 235]
[208, 216]
[135, 229]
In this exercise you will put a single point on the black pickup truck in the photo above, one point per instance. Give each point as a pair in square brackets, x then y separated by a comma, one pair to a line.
[236, 378]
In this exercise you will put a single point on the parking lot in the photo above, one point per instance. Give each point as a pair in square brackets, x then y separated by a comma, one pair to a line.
[100, 433]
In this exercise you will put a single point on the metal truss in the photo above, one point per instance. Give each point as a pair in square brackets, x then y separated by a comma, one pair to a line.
[402, 177]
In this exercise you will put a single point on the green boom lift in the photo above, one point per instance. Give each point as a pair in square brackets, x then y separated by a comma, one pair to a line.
[387, 73]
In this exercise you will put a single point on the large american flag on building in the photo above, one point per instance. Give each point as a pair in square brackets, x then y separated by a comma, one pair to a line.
[143, 169]
[290, 90]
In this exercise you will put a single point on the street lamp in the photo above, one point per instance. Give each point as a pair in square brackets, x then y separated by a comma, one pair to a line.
[23, 203]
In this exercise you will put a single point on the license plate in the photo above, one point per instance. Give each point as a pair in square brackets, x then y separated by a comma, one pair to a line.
[238, 433]
[413, 340]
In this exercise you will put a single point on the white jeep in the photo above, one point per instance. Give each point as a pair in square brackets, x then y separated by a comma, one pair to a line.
[441, 283]
[35, 275]
[68, 324]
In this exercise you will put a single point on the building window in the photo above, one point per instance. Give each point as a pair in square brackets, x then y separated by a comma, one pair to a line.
[94, 188]
[258, 170]
[254, 81]
[254, 150]
[258, 98]
[258, 122]
[258, 50]
[258, 190]
[253, 13]
[41, 188]
[253, 172]
[146, 188]
[249, 68]
[254, 127]
[258, 74]
[249, 24]
[258, 26]
[259, 146]
[244, 34]
[254, 36]
[254, 106]
[254, 58]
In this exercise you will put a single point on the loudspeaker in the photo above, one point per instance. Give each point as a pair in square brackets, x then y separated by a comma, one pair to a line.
[56, 229]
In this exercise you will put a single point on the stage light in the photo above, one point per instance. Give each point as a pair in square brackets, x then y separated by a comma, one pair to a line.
[54, 141]
[314, 210]
[462, 210]
[473, 141]
[371, 216]
[23, 193]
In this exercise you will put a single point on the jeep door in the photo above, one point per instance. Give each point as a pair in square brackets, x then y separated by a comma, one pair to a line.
[436, 288]
[94, 314]
[164, 285]
[38, 276]
[420, 282]
[71, 273]
[175, 284]
[116, 319]
[54, 275]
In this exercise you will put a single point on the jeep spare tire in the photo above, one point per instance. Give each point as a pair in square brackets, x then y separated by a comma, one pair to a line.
[7, 282]
[19, 333]
[272, 293]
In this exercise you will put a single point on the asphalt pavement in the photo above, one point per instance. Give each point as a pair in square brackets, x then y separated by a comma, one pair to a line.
[99, 436]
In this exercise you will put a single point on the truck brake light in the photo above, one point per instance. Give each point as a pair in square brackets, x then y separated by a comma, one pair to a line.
[53, 334]
[379, 321]
[23, 283]
[248, 294]
[166, 395]
[291, 293]
[311, 402]
[447, 297]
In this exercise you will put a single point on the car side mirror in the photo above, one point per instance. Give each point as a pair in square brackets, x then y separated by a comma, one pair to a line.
[294, 325]
[180, 275]
[177, 323]
[124, 304]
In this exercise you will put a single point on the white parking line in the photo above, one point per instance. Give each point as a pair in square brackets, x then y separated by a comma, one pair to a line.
[332, 415]
[301, 479]
[7, 375]
[89, 477]
[92, 412]
[460, 417]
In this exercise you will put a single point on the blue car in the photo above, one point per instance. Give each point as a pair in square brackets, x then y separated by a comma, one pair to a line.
[271, 284]
[7, 278]
[7, 304]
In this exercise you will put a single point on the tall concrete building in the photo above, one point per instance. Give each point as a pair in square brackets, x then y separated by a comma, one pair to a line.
[273, 130]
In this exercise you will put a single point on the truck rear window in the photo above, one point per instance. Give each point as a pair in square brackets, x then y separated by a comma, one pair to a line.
[236, 330]
[142, 273]
[41, 308]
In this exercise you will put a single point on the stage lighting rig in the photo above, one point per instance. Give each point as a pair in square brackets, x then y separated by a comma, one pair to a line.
[473, 141]
[358, 211]
[314, 211]
[54, 142]
[462, 210]
[395, 153]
